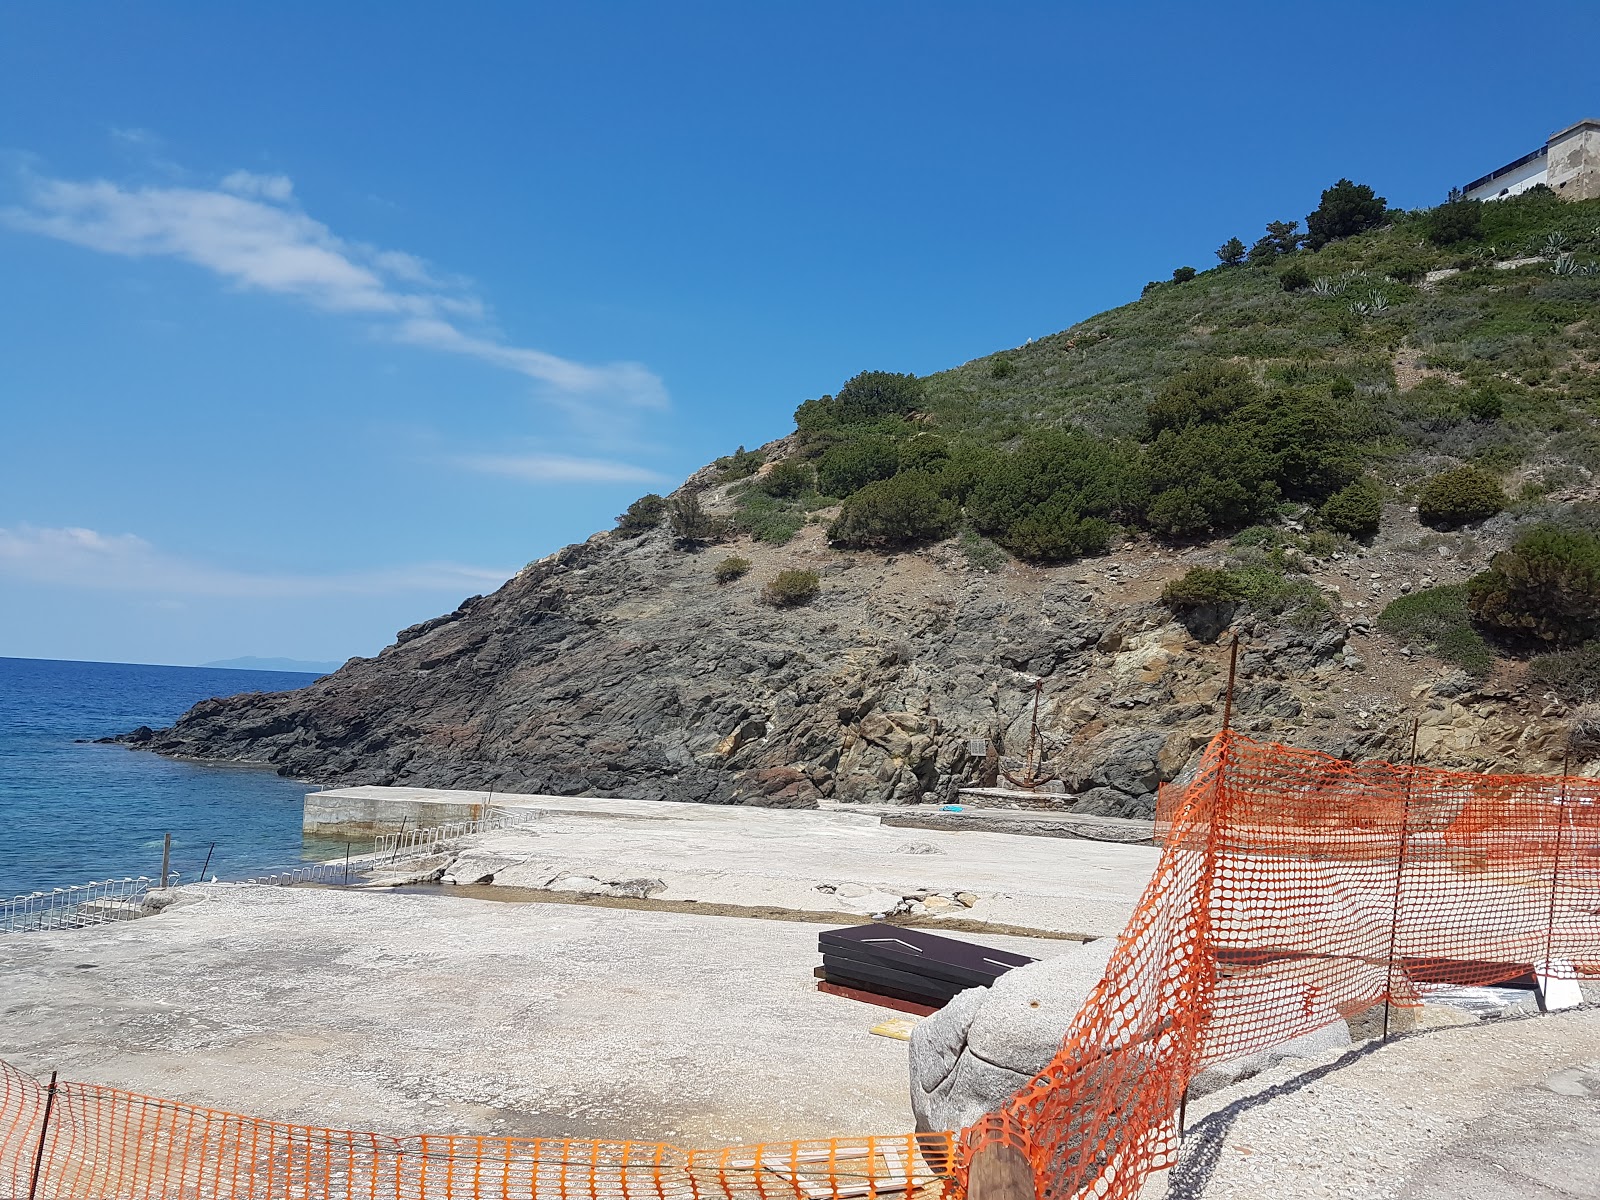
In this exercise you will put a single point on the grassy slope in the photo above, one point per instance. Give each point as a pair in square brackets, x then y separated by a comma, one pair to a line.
[1531, 334]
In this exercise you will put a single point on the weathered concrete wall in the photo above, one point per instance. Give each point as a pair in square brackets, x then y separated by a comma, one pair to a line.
[361, 812]
[1574, 161]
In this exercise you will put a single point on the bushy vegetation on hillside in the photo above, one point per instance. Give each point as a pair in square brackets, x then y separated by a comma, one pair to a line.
[1316, 369]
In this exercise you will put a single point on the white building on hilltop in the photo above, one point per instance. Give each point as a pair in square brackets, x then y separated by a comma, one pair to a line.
[1568, 164]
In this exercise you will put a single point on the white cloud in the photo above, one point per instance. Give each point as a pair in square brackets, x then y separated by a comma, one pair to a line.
[558, 468]
[268, 187]
[251, 233]
[124, 562]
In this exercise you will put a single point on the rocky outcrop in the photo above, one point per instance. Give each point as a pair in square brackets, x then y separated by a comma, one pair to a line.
[620, 667]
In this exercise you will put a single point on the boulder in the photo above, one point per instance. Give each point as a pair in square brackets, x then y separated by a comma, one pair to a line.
[977, 1050]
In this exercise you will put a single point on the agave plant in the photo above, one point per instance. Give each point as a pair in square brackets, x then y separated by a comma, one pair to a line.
[1556, 243]
[1590, 268]
[1377, 302]
[1360, 309]
[1565, 264]
[1325, 287]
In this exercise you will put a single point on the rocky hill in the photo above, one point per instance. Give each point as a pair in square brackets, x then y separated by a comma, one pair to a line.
[1281, 423]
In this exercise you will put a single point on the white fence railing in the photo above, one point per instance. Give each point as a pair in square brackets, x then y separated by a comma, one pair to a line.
[415, 843]
[95, 903]
[123, 899]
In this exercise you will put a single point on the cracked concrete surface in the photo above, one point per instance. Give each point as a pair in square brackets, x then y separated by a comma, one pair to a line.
[411, 1013]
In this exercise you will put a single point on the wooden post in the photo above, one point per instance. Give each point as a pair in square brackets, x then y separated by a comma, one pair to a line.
[166, 857]
[1399, 875]
[1233, 670]
[999, 1172]
[44, 1127]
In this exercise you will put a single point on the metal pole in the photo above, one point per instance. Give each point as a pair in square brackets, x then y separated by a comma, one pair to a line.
[347, 862]
[398, 838]
[207, 863]
[1233, 668]
[44, 1126]
[166, 857]
[1399, 875]
[1555, 867]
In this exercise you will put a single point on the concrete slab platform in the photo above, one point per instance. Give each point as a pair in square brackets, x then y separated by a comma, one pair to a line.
[409, 1013]
[830, 860]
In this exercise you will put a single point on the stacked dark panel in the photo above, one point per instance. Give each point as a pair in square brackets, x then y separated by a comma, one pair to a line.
[908, 965]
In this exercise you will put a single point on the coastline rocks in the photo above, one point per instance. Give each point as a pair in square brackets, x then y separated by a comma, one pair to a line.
[972, 1054]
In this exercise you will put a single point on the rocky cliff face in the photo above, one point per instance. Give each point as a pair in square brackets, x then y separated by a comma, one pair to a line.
[620, 667]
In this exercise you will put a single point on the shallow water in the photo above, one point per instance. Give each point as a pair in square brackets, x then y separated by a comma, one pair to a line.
[71, 812]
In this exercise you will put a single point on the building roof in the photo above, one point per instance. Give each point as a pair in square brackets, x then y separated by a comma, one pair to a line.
[1591, 122]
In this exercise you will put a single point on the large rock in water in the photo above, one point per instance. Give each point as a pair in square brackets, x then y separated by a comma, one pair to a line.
[968, 1057]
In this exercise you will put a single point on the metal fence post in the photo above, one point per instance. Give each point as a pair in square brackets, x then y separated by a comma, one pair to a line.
[44, 1128]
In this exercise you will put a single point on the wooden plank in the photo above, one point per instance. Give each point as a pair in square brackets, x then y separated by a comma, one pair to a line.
[847, 993]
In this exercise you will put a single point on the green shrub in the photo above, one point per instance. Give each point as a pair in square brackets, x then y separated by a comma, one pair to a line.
[874, 394]
[1460, 496]
[789, 588]
[786, 479]
[1183, 274]
[925, 452]
[1294, 277]
[1439, 620]
[1574, 674]
[1347, 209]
[643, 515]
[741, 464]
[690, 523]
[1354, 509]
[1002, 368]
[1456, 222]
[1266, 589]
[1054, 532]
[1203, 394]
[1203, 587]
[1545, 589]
[850, 466]
[768, 519]
[1483, 405]
[982, 554]
[1208, 478]
[898, 511]
[731, 568]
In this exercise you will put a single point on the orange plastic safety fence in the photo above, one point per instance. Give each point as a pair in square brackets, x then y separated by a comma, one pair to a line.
[1293, 890]
[102, 1142]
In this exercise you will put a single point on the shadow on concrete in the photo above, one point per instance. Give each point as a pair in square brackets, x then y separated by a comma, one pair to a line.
[1203, 1141]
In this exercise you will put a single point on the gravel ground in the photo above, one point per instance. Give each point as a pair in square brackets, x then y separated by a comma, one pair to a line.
[1501, 1109]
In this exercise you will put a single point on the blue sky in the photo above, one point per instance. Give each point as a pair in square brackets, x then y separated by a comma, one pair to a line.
[316, 318]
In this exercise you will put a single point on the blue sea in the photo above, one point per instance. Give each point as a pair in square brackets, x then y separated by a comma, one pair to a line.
[72, 811]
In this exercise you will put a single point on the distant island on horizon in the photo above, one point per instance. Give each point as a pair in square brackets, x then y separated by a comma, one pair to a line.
[251, 663]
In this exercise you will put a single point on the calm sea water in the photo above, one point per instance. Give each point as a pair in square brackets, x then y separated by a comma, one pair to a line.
[71, 812]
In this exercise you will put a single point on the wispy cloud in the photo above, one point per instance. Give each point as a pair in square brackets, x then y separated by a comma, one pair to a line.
[124, 562]
[557, 468]
[250, 231]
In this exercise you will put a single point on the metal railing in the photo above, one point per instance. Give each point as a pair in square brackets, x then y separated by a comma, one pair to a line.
[96, 903]
[415, 843]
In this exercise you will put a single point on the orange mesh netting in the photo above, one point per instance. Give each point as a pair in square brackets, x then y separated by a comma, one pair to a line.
[1294, 890]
